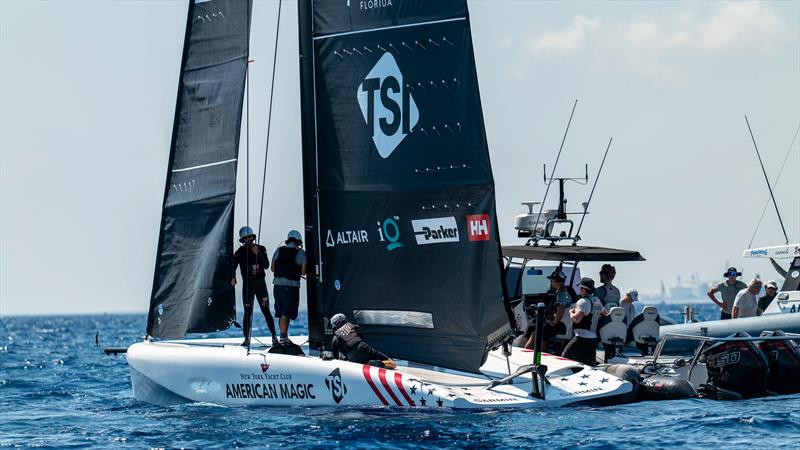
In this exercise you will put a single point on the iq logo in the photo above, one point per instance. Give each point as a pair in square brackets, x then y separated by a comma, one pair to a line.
[388, 231]
[387, 105]
[478, 227]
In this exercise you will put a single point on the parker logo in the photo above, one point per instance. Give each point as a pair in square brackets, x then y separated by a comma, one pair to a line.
[335, 238]
[435, 231]
[478, 227]
[335, 385]
[387, 105]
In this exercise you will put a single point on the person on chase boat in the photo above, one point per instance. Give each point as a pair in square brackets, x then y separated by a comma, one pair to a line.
[348, 345]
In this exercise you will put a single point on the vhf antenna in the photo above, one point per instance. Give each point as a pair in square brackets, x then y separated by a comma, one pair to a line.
[785, 236]
[591, 194]
[546, 191]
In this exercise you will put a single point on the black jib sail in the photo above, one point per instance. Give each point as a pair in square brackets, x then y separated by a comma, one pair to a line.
[191, 285]
[399, 194]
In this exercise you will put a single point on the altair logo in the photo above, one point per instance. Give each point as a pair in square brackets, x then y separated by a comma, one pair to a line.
[387, 105]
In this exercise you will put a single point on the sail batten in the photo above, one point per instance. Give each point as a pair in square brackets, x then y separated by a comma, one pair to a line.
[399, 192]
[191, 284]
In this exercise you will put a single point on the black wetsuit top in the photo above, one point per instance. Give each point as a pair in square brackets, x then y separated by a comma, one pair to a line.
[347, 344]
[252, 267]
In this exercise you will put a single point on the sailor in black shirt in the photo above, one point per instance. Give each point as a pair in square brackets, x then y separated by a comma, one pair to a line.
[348, 345]
[253, 264]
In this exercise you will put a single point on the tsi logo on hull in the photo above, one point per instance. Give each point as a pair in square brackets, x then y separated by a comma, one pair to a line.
[387, 105]
[478, 227]
[435, 231]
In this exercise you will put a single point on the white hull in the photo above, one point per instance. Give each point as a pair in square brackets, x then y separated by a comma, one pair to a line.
[221, 372]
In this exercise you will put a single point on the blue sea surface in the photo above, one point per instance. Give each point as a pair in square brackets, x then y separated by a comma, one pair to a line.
[59, 390]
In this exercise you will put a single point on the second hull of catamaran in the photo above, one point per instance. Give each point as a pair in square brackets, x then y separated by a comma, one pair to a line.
[219, 371]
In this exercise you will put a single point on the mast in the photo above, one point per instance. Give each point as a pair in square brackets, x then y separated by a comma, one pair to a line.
[401, 225]
[191, 284]
[316, 327]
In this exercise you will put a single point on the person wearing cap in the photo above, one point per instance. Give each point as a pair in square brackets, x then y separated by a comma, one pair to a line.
[746, 303]
[608, 294]
[564, 296]
[348, 345]
[585, 315]
[627, 304]
[252, 261]
[288, 266]
[727, 289]
[770, 292]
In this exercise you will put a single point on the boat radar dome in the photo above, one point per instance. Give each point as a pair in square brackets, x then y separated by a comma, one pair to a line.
[338, 320]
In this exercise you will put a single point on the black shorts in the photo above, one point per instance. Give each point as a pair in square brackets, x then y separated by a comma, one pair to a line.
[257, 289]
[287, 301]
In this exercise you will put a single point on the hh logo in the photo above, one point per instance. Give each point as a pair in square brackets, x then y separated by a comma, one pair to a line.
[335, 385]
[387, 105]
[478, 227]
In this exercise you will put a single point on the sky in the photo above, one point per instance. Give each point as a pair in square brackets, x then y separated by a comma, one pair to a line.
[87, 97]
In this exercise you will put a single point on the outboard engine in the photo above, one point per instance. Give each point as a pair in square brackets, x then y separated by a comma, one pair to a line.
[643, 330]
[612, 331]
[784, 364]
[736, 369]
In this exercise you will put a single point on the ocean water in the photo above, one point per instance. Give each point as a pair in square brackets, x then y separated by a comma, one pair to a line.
[59, 390]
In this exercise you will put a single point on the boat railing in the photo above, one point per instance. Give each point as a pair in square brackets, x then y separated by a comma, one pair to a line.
[705, 341]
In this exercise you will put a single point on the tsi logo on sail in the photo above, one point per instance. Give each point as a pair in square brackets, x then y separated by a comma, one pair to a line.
[387, 105]
[435, 231]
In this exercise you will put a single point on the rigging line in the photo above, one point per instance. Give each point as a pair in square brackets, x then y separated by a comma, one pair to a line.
[780, 172]
[767, 180]
[599, 171]
[269, 115]
[553, 172]
[247, 122]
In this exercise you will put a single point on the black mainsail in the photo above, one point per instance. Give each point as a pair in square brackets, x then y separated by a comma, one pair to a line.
[191, 285]
[401, 229]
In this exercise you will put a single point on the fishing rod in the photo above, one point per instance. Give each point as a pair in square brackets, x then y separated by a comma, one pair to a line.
[767, 180]
[553, 172]
[777, 179]
[591, 194]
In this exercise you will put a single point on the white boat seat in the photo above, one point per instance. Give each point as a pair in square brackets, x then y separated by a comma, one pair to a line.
[644, 327]
[615, 329]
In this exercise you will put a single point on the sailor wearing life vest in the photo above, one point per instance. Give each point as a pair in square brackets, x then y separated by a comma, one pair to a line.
[585, 314]
[348, 345]
[252, 262]
[288, 266]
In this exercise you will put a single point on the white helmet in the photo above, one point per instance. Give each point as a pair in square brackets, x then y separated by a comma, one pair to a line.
[294, 234]
[245, 232]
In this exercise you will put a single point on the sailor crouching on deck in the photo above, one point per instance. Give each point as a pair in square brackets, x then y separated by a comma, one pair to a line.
[252, 261]
[348, 345]
[288, 265]
[585, 315]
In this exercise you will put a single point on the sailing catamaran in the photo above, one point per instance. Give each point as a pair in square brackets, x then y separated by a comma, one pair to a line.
[400, 223]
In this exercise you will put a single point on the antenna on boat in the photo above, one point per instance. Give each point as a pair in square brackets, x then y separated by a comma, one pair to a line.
[785, 236]
[552, 174]
[777, 179]
[591, 194]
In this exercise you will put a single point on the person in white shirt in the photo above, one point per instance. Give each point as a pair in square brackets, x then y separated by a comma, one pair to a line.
[585, 315]
[746, 303]
[627, 304]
